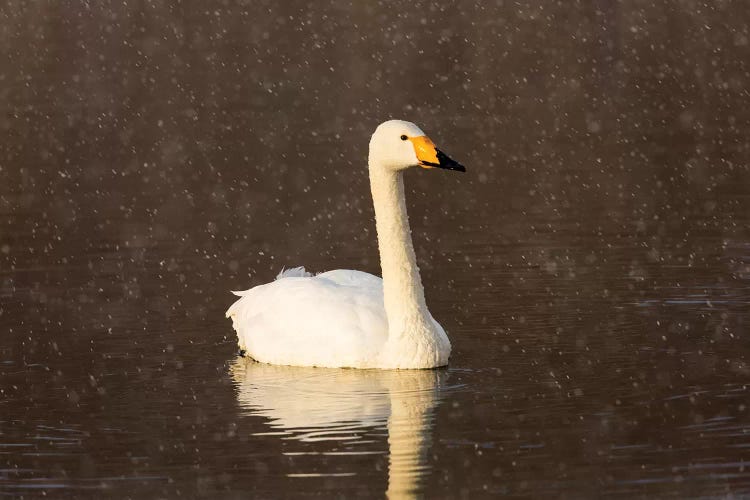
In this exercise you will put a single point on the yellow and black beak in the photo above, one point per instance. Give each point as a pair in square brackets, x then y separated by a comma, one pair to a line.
[430, 156]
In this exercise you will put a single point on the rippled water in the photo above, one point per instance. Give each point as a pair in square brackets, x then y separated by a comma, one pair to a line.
[592, 267]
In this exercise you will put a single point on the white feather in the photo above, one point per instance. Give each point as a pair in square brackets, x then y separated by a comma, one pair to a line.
[295, 272]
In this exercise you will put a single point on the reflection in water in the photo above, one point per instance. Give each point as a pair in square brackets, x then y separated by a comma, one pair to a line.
[592, 270]
[321, 404]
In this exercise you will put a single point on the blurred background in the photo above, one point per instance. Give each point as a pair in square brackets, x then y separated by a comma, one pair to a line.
[592, 267]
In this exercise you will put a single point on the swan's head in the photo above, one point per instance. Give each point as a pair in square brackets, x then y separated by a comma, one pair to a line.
[398, 145]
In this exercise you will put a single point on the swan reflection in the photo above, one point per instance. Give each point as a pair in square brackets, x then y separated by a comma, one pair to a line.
[339, 405]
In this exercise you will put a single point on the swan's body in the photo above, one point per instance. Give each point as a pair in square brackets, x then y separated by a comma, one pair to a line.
[334, 319]
[349, 318]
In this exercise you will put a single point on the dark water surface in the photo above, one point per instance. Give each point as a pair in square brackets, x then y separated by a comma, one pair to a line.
[592, 267]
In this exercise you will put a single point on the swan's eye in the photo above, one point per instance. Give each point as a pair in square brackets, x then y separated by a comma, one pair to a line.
[403, 137]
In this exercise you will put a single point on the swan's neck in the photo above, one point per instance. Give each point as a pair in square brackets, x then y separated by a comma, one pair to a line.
[403, 293]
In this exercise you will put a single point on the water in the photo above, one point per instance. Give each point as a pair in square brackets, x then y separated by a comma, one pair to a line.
[592, 267]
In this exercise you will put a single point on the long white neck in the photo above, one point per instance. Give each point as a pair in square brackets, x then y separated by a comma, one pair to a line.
[415, 340]
[402, 286]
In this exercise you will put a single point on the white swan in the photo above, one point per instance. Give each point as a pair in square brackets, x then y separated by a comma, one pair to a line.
[347, 318]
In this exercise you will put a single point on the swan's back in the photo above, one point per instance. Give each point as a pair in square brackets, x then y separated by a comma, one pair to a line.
[334, 319]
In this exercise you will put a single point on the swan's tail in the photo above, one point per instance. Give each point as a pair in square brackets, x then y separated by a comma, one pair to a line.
[294, 272]
[244, 308]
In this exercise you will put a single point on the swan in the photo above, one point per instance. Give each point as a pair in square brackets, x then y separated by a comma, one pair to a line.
[352, 319]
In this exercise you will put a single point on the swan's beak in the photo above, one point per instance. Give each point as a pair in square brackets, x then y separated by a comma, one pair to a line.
[430, 156]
